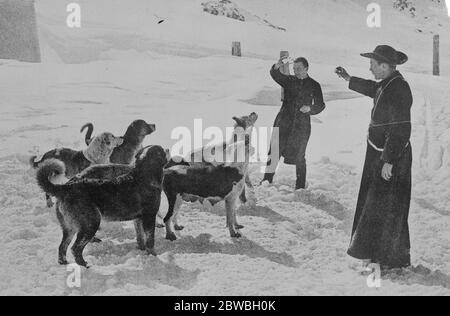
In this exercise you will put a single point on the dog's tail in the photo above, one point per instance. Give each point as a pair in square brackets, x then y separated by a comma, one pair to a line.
[88, 136]
[48, 173]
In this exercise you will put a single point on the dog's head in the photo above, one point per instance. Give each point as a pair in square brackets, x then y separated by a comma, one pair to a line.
[101, 148]
[246, 122]
[244, 127]
[139, 129]
[151, 158]
[238, 153]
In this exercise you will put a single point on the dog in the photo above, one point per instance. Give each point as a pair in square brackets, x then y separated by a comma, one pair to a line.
[98, 152]
[133, 139]
[241, 134]
[84, 202]
[215, 183]
[243, 129]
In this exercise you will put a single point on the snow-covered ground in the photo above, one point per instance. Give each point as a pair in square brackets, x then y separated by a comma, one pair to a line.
[122, 65]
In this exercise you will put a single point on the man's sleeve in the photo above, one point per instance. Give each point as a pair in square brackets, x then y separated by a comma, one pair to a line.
[318, 104]
[365, 87]
[399, 132]
[281, 79]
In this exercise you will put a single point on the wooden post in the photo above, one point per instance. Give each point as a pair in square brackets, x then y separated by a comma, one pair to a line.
[236, 49]
[284, 69]
[436, 68]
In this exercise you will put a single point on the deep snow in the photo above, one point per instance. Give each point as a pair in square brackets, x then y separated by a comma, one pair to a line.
[294, 242]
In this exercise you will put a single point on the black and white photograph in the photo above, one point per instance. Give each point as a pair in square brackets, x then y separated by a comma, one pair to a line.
[225, 154]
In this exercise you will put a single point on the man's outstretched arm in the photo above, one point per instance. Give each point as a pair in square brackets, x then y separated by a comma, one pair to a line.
[278, 76]
[365, 87]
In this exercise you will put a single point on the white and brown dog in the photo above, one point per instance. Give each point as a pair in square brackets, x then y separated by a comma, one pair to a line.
[211, 180]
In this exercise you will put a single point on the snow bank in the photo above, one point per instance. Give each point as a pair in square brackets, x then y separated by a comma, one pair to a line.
[123, 65]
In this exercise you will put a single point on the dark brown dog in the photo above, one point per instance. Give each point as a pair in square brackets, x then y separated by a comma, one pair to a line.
[84, 202]
[133, 139]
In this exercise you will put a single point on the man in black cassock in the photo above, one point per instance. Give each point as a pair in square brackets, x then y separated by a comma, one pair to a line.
[302, 98]
[380, 231]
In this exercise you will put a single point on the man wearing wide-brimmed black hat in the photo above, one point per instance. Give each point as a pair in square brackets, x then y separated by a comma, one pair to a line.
[380, 231]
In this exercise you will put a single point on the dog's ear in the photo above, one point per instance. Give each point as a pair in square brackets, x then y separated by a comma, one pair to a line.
[168, 155]
[239, 121]
[253, 117]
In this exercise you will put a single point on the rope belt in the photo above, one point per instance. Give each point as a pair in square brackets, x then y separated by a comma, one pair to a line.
[379, 149]
[373, 124]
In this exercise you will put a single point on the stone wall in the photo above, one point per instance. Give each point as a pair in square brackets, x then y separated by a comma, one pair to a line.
[18, 31]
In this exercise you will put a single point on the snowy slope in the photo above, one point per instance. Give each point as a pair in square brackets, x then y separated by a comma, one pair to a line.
[313, 28]
[122, 65]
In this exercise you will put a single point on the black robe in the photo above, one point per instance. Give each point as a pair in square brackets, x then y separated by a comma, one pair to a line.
[380, 230]
[295, 126]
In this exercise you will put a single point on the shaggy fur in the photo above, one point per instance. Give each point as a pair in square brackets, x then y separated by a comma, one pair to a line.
[133, 139]
[84, 202]
[98, 152]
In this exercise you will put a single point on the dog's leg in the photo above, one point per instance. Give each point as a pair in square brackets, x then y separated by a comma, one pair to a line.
[243, 197]
[174, 205]
[230, 204]
[149, 225]
[159, 221]
[238, 226]
[239, 187]
[87, 231]
[68, 234]
[247, 196]
[248, 182]
[176, 213]
[82, 240]
[66, 240]
[140, 234]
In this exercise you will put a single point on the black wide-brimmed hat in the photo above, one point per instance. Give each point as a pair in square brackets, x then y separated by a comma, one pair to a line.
[387, 54]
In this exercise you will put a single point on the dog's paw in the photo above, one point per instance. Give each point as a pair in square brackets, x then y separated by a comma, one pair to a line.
[50, 203]
[171, 236]
[141, 247]
[96, 240]
[83, 263]
[151, 252]
[235, 235]
[63, 261]
[178, 227]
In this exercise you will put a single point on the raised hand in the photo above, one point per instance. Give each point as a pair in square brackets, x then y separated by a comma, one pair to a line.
[342, 73]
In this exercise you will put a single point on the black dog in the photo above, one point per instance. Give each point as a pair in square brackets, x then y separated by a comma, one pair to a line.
[84, 202]
[133, 139]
